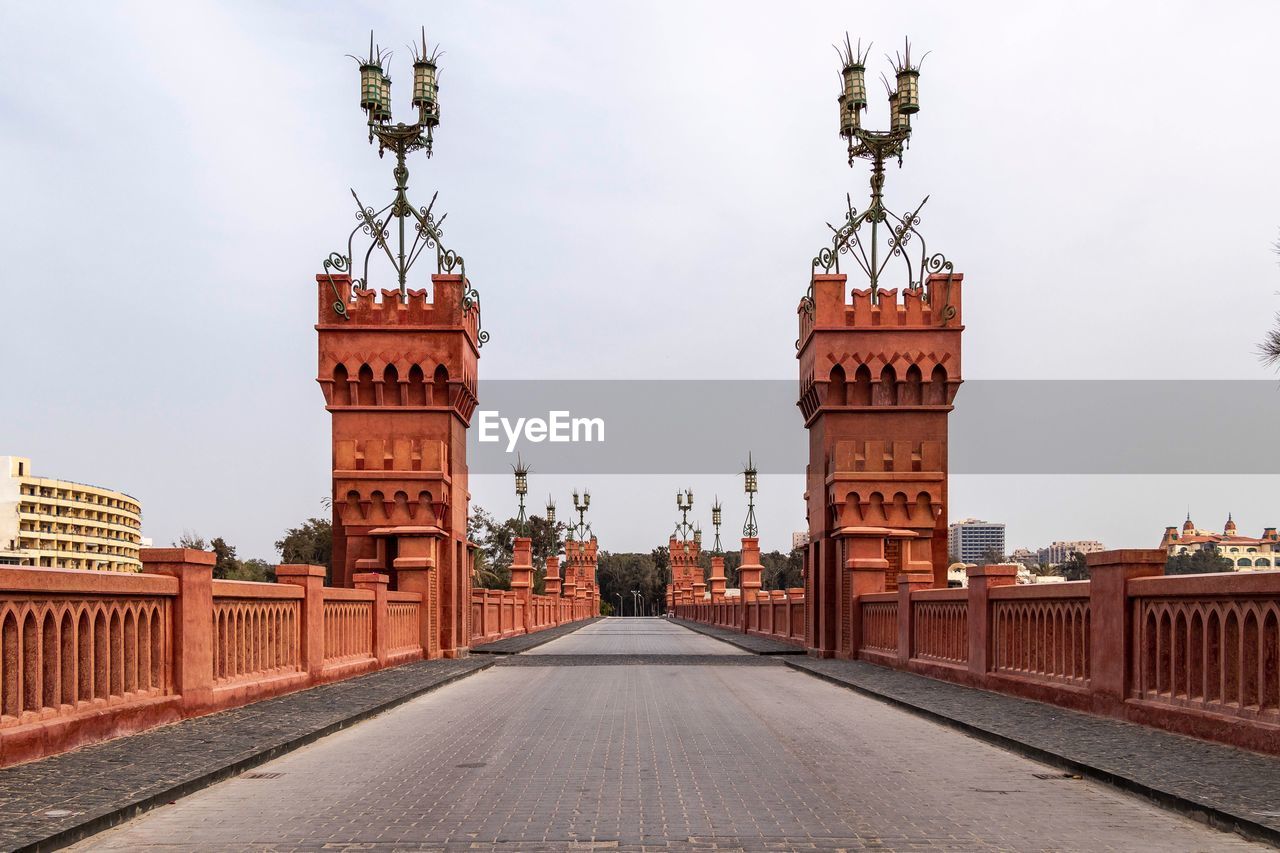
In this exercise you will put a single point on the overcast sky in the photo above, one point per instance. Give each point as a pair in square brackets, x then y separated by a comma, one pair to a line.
[638, 189]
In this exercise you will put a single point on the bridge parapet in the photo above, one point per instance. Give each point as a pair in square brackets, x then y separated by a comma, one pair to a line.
[1195, 654]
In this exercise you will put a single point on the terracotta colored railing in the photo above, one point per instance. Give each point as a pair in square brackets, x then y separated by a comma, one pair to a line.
[880, 623]
[404, 620]
[940, 631]
[779, 614]
[1206, 650]
[1041, 633]
[256, 631]
[70, 645]
[1197, 654]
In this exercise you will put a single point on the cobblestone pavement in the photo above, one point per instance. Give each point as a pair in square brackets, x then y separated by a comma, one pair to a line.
[643, 636]
[1233, 786]
[656, 757]
[525, 642]
[64, 797]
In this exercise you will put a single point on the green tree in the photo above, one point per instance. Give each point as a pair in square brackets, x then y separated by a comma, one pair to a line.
[782, 571]
[495, 543]
[619, 574]
[191, 539]
[309, 544]
[1075, 568]
[1203, 561]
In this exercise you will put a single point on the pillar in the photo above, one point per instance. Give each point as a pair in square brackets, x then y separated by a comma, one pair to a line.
[750, 571]
[381, 618]
[192, 620]
[1110, 617]
[311, 632]
[717, 580]
[982, 579]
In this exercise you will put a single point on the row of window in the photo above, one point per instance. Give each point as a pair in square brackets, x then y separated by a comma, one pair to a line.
[91, 498]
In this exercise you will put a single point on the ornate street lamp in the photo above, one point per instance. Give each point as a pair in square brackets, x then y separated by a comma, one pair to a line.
[716, 516]
[416, 229]
[582, 530]
[551, 512]
[894, 231]
[684, 504]
[750, 529]
[522, 488]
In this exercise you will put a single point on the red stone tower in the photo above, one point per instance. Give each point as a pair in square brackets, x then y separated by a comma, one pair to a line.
[877, 378]
[399, 379]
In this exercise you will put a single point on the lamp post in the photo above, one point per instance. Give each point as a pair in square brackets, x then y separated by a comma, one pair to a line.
[416, 229]
[750, 529]
[621, 613]
[684, 504]
[716, 515]
[636, 601]
[522, 488]
[900, 237]
[581, 530]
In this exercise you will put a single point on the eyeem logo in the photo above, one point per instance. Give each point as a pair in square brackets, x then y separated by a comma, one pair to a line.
[558, 427]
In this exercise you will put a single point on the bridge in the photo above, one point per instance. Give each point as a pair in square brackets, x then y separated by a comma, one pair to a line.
[630, 734]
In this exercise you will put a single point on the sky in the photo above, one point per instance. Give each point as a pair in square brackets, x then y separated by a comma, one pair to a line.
[638, 189]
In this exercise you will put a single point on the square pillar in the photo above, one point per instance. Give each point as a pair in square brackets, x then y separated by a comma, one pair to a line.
[192, 620]
[311, 633]
[907, 584]
[982, 579]
[381, 626]
[1110, 617]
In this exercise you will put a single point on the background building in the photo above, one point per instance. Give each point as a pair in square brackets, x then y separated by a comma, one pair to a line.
[799, 539]
[1246, 553]
[64, 525]
[971, 540]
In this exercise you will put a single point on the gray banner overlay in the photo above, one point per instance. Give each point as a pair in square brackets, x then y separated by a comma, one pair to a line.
[997, 427]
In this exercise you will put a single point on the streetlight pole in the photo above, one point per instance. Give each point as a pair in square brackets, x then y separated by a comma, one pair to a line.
[619, 604]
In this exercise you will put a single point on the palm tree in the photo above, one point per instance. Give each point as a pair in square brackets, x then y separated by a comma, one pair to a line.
[1269, 350]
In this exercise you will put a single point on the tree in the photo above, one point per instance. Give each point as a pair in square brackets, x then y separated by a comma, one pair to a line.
[992, 557]
[495, 542]
[226, 563]
[1075, 568]
[1269, 351]
[191, 539]
[619, 574]
[1202, 561]
[782, 571]
[309, 544]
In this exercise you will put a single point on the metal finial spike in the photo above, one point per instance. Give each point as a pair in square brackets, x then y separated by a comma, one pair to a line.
[371, 47]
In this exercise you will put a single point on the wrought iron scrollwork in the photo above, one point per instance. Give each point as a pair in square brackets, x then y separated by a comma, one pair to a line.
[400, 233]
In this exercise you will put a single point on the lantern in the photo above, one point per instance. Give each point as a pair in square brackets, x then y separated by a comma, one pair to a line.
[898, 119]
[848, 118]
[855, 85]
[551, 511]
[908, 91]
[382, 113]
[426, 90]
[715, 514]
[370, 88]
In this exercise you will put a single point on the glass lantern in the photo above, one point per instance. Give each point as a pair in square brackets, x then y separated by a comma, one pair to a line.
[855, 86]
[551, 513]
[382, 112]
[848, 117]
[426, 89]
[908, 91]
[370, 88]
[898, 119]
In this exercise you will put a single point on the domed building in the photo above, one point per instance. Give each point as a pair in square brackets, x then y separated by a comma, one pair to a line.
[1246, 553]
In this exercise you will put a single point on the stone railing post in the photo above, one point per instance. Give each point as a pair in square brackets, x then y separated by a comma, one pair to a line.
[1110, 617]
[418, 580]
[552, 581]
[522, 577]
[717, 580]
[381, 624]
[750, 570]
[311, 579]
[863, 580]
[981, 580]
[192, 620]
[908, 582]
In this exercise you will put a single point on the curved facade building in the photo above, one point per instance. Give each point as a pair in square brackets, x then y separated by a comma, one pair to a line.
[59, 524]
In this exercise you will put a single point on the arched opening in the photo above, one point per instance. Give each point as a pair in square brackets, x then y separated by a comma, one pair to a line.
[49, 658]
[861, 395]
[888, 389]
[391, 386]
[364, 386]
[9, 697]
[913, 389]
[440, 387]
[341, 386]
[837, 393]
[936, 393]
[417, 387]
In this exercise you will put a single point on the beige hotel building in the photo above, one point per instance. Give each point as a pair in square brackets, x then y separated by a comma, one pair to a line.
[60, 524]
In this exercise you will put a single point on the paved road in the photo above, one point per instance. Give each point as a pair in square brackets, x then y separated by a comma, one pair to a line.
[710, 756]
